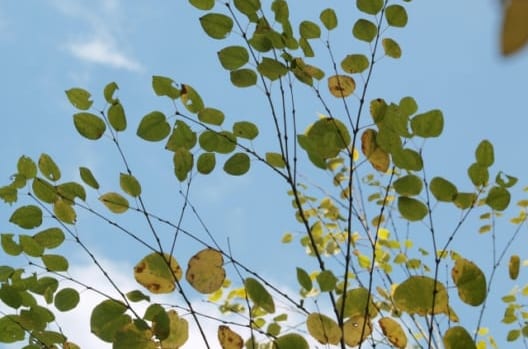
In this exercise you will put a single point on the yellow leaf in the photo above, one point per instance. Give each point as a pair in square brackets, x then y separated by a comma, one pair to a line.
[341, 85]
[323, 328]
[153, 272]
[356, 330]
[179, 331]
[393, 331]
[205, 272]
[229, 339]
[514, 26]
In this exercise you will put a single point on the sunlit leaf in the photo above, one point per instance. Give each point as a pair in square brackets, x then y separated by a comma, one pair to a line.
[364, 30]
[498, 198]
[107, 318]
[326, 280]
[115, 202]
[408, 185]
[27, 217]
[233, 57]
[259, 295]
[514, 26]
[79, 98]
[341, 85]
[513, 267]
[291, 341]
[457, 337]
[191, 99]
[275, 160]
[229, 339]
[356, 330]
[415, 296]
[153, 273]
[88, 178]
[179, 331]
[393, 331]
[328, 18]
[355, 63]
[66, 299]
[117, 117]
[324, 329]
[304, 279]
[54, 262]
[205, 271]
[391, 48]
[237, 164]
[356, 302]
[243, 77]
[408, 106]
[11, 331]
[89, 125]
[64, 211]
[470, 282]
[429, 124]
[48, 167]
[442, 189]
[164, 86]
[153, 127]
[137, 296]
[396, 15]
[216, 25]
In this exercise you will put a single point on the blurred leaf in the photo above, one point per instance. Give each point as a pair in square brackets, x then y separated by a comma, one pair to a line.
[507, 182]
[309, 30]
[271, 68]
[378, 157]
[153, 127]
[396, 15]
[26, 167]
[109, 91]
[415, 296]
[203, 4]
[470, 282]
[498, 198]
[206, 163]
[408, 106]
[183, 161]
[229, 339]
[237, 164]
[478, 174]
[27, 217]
[245, 129]
[79, 98]
[275, 160]
[291, 341]
[324, 329]
[259, 295]
[356, 303]
[408, 185]
[364, 30]
[458, 338]
[326, 280]
[107, 318]
[233, 57]
[429, 124]
[394, 332]
[514, 26]
[372, 7]
[89, 125]
[179, 331]
[513, 267]
[130, 336]
[66, 299]
[328, 18]
[115, 202]
[9, 245]
[356, 330]
[153, 272]
[216, 25]
[304, 279]
[442, 189]
[356, 63]
[465, 200]
[211, 116]
[205, 271]
[11, 331]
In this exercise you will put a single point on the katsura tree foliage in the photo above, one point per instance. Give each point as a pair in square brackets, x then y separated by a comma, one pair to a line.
[378, 227]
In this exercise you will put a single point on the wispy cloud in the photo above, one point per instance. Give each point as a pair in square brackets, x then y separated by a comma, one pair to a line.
[103, 41]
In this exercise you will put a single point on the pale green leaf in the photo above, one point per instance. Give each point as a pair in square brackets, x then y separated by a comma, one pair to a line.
[48, 167]
[154, 127]
[364, 30]
[245, 129]
[233, 57]
[79, 98]
[216, 25]
[355, 63]
[55, 262]
[259, 295]
[89, 125]
[164, 86]
[27, 217]
[130, 184]
[115, 202]
[117, 117]
[66, 299]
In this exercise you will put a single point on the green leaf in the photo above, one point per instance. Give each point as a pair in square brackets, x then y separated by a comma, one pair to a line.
[137, 296]
[429, 124]
[411, 209]
[259, 295]
[11, 331]
[48, 167]
[271, 68]
[237, 164]
[408, 106]
[513, 335]
[27, 167]
[355, 63]
[396, 15]
[88, 178]
[178, 331]
[216, 25]
[130, 184]
[9, 245]
[55, 262]
[115, 202]
[484, 153]
[66, 299]
[280, 9]
[243, 77]
[372, 7]
[457, 337]
[291, 341]
[109, 91]
[391, 48]
[225, 142]
[27, 217]
[107, 318]
[328, 18]
[407, 159]
[69, 191]
[465, 200]
[324, 329]
[49, 238]
[153, 127]
[183, 163]
[206, 163]
[191, 99]
[498, 198]
[248, 7]
[9, 194]
[309, 30]
[245, 129]
[364, 30]
[507, 182]
[356, 301]
[117, 117]
[10, 296]
[513, 266]
[442, 189]
[326, 280]
[470, 282]
[64, 211]
[304, 279]
[408, 185]
[182, 137]
[203, 4]
[233, 57]
[30, 246]
[164, 86]
[306, 47]
[89, 125]
[132, 336]
[211, 116]
[275, 160]
[478, 174]
[415, 296]
[79, 98]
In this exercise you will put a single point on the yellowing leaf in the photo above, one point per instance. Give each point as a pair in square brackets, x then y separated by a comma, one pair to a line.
[470, 282]
[205, 271]
[323, 328]
[415, 296]
[394, 332]
[513, 269]
[179, 331]
[114, 202]
[229, 339]
[356, 330]
[458, 338]
[514, 26]
[378, 157]
[341, 85]
[153, 272]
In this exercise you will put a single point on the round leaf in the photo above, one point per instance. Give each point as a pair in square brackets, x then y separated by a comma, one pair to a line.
[356, 302]
[428, 124]
[55, 262]
[391, 48]
[245, 129]
[66, 299]
[355, 63]
[202, 4]
[271, 68]
[364, 30]
[442, 189]
[79, 98]
[470, 282]
[341, 85]
[372, 7]
[89, 125]
[153, 127]
[237, 164]
[458, 338]
[478, 174]
[408, 185]
[309, 30]
[107, 318]
[411, 209]
[27, 217]
[291, 340]
[153, 273]
[394, 332]
[205, 271]
[229, 339]
[211, 116]
[179, 331]
[415, 296]
[484, 153]
[243, 77]
[328, 18]
[216, 25]
[233, 57]
[48, 167]
[396, 15]
[206, 163]
[356, 330]
[324, 329]
[498, 198]
[164, 86]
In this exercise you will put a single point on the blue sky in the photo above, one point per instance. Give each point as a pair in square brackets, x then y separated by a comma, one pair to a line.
[450, 61]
